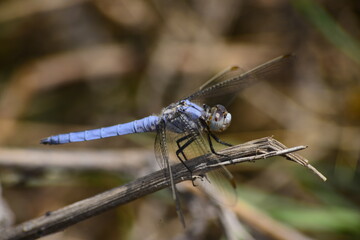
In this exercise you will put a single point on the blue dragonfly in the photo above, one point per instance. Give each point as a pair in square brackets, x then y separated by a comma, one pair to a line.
[189, 125]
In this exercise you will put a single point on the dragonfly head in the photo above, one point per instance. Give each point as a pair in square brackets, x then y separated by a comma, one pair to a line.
[217, 118]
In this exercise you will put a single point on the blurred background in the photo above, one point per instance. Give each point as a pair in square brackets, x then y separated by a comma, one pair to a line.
[81, 64]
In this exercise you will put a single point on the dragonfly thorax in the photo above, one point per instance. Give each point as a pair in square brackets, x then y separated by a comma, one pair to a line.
[217, 118]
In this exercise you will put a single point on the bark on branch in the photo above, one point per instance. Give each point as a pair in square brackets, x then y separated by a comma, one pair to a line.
[58, 220]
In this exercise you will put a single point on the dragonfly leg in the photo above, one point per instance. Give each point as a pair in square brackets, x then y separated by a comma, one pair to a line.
[217, 139]
[209, 135]
[190, 139]
[181, 148]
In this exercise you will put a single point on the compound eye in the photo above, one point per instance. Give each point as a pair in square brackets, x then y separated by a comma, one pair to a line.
[220, 119]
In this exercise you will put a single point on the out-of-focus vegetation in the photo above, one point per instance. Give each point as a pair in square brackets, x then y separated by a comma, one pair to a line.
[74, 65]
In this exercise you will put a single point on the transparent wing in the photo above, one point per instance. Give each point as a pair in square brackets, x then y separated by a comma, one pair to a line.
[223, 87]
[161, 154]
[225, 74]
[218, 188]
[162, 157]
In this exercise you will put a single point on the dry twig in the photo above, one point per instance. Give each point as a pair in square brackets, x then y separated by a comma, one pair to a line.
[60, 219]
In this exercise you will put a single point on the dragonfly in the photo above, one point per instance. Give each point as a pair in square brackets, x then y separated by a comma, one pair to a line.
[190, 125]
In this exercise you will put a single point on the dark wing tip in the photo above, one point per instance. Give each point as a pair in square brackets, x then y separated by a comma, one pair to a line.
[289, 55]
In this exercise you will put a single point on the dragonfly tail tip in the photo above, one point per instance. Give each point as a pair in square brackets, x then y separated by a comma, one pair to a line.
[45, 141]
